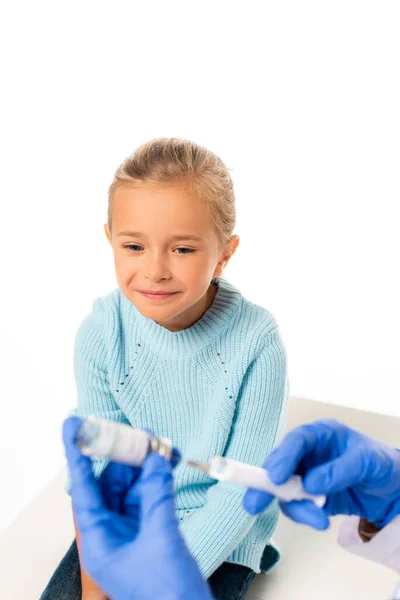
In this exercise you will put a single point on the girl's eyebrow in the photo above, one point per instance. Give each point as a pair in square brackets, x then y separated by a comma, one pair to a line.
[186, 237]
[172, 237]
[129, 233]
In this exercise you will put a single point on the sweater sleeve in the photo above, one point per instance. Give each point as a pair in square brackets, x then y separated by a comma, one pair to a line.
[94, 395]
[216, 529]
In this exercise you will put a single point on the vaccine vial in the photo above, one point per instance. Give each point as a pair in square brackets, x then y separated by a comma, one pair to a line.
[119, 442]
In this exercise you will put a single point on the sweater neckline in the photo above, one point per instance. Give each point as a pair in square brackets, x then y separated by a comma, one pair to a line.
[201, 333]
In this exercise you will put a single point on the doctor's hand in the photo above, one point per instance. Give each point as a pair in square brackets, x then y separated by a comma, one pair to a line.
[130, 542]
[359, 475]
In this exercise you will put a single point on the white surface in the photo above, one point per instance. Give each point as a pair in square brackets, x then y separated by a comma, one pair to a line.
[301, 101]
[313, 567]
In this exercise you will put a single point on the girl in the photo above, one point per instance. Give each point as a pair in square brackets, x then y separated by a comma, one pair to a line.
[178, 350]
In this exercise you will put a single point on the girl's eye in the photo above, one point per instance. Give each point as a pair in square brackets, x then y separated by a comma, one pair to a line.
[133, 247]
[138, 248]
[187, 250]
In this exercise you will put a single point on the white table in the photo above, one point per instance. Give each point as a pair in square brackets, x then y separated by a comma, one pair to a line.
[312, 567]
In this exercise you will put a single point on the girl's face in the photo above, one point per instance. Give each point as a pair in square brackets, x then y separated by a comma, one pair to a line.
[164, 243]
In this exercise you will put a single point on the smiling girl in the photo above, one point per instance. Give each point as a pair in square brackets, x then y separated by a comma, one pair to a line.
[180, 351]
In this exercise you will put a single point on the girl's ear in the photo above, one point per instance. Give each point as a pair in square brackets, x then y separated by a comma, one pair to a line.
[226, 254]
[107, 232]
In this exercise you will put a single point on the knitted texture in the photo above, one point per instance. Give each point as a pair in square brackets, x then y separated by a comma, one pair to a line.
[216, 388]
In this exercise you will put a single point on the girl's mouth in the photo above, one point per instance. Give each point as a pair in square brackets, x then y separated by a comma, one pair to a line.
[158, 296]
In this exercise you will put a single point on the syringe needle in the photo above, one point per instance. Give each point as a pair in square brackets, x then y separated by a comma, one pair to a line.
[201, 466]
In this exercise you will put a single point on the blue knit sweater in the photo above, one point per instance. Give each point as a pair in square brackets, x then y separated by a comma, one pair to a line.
[216, 388]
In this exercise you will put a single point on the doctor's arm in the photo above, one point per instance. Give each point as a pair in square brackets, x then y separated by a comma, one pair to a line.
[130, 540]
[360, 477]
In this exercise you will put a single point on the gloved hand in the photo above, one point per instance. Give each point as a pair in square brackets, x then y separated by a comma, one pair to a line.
[130, 542]
[359, 475]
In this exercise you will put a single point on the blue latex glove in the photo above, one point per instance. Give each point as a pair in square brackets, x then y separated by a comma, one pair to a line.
[130, 542]
[359, 476]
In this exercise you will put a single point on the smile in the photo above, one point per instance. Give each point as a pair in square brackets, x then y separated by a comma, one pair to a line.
[158, 296]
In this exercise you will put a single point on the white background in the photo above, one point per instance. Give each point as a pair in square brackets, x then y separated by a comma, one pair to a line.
[300, 99]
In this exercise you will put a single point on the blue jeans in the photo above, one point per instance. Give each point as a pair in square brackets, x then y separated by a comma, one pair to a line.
[228, 582]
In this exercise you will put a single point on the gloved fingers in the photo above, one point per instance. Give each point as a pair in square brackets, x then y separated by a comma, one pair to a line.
[85, 491]
[175, 457]
[132, 499]
[305, 512]
[131, 507]
[304, 441]
[119, 475]
[284, 460]
[336, 475]
[154, 490]
[382, 465]
[114, 483]
[255, 501]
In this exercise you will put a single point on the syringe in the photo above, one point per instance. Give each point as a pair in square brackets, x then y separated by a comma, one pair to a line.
[126, 444]
[120, 442]
[226, 469]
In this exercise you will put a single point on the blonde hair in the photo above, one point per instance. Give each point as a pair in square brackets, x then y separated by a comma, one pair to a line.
[170, 160]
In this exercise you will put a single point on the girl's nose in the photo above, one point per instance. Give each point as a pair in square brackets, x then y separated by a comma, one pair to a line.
[157, 268]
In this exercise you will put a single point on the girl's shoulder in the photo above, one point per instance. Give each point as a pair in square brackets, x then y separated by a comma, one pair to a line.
[104, 306]
[105, 315]
[111, 302]
[252, 331]
[253, 320]
[257, 330]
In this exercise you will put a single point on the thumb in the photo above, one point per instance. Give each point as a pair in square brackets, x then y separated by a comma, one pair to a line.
[255, 501]
[336, 475]
[86, 496]
[155, 490]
